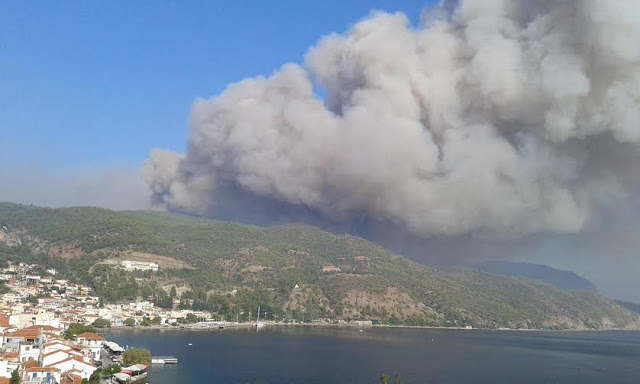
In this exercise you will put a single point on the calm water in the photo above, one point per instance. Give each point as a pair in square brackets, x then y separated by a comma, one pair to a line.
[304, 355]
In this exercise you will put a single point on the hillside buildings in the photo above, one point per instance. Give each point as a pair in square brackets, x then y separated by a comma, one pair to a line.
[36, 311]
[130, 265]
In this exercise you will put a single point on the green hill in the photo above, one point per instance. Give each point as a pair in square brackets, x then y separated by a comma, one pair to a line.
[231, 268]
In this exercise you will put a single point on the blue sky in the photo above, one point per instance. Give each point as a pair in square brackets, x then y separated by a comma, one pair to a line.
[93, 84]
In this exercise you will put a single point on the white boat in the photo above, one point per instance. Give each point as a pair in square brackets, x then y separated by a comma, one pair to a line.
[259, 324]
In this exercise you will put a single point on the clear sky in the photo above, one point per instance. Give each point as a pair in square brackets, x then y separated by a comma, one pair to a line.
[100, 83]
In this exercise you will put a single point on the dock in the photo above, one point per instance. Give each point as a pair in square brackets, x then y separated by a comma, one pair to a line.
[164, 360]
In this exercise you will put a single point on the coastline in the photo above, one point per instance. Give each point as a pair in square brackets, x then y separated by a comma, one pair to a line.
[192, 327]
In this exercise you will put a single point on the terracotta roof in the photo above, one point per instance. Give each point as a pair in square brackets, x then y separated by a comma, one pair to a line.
[24, 333]
[89, 336]
[43, 369]
[55, 341]
[30, 364]
[5, 380]
[52, 336]
[9, 355]
[4, 321]
[69, 378]
[44, 328]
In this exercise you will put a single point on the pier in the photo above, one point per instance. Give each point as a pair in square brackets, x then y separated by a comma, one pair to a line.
[164, 360]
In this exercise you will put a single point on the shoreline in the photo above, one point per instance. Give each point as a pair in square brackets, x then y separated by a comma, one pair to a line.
[191, 327]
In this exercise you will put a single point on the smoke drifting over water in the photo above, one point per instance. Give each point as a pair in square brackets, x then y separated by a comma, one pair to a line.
[497, 117]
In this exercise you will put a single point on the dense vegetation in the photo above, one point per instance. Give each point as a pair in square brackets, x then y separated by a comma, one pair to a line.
[76, 329]
[136, 356]
[235, 268]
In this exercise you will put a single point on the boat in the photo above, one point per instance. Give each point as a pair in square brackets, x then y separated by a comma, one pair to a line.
[190, 344]
[259, 324]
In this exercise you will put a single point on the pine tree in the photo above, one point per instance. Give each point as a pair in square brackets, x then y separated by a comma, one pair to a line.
[15, 377]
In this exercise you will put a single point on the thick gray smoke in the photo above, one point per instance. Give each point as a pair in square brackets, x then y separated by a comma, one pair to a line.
[492, 116]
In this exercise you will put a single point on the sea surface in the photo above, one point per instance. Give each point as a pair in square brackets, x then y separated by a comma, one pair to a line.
[309, 355]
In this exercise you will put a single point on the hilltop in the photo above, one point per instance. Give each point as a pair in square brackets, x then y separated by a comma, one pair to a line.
[566, 280]
[292, 271]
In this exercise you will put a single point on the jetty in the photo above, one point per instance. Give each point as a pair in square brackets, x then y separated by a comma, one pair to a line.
[164, 360]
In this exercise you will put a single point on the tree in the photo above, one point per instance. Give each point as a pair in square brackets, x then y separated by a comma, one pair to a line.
[15, 377]
[3, 288]
[101, 323]
[94, 378]
[136, 356]
[384, 379]
[173, 292]
[76, 329]
[191, 318]
[129, 322]
[111, 370]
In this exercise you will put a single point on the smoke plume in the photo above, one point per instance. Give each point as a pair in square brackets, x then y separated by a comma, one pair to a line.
[491, 116]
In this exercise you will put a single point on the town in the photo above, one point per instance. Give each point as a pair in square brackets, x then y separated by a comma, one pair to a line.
[50, 329]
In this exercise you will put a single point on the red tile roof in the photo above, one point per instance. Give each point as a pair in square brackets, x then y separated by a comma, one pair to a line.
[89, 336]
[44, 328]
[43, 369]
[24, 333]
[30, 364]
[9, 355]
[69, 378]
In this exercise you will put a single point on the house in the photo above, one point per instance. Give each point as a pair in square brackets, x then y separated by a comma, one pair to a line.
[8, 363]
[55, 345]
[130, 265]
[91, 341]
[28, 351]
[47, 359]
[44, 375]
[12, 340]
[76, 364]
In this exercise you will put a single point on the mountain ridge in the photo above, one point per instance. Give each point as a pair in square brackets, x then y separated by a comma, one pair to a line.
[295, 271]
[566, 280]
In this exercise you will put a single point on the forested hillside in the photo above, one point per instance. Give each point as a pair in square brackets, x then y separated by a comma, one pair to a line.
[292, 271]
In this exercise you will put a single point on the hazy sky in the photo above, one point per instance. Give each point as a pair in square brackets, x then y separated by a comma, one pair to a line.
[88, 90]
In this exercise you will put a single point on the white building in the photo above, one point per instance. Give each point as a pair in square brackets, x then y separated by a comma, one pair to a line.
[45, 375]
[27, 351]
[53, 357]
[131, 265]
[76, 364]
[8, 365]
[91, 341]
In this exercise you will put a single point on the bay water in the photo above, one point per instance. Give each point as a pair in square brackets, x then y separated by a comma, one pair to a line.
[313, 355]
